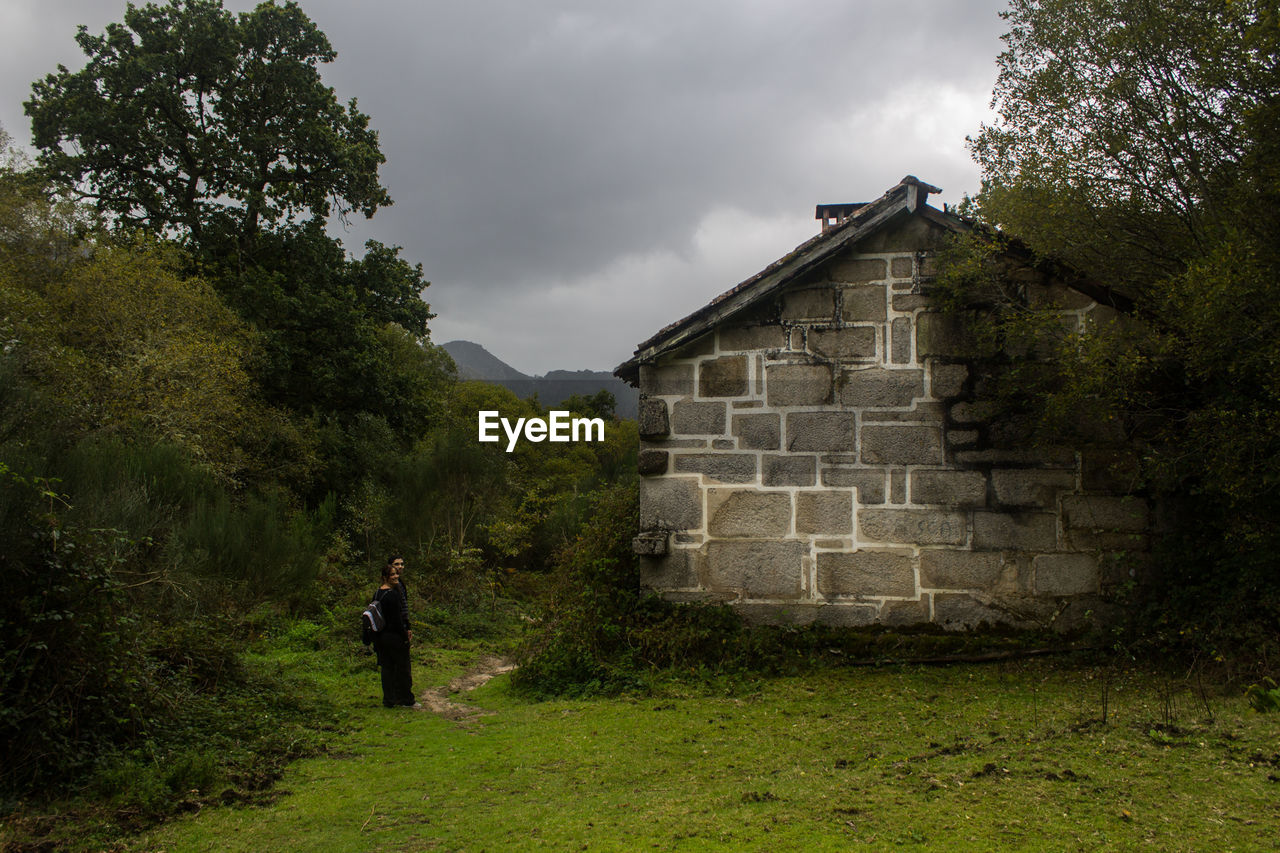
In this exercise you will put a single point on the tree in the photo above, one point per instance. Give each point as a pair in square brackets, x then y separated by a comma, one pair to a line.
[216, 129]
[188, 120]
[1137, 119]
[1137, 143]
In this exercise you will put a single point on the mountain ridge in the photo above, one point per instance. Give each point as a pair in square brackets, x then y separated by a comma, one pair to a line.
[477, 363]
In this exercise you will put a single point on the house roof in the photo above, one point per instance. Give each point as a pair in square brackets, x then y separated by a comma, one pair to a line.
[907, 197]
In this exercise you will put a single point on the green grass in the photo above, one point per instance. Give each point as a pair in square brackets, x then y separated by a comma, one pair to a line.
[1008, 756]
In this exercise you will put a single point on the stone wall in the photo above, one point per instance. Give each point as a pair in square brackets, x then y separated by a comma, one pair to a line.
[823, 459]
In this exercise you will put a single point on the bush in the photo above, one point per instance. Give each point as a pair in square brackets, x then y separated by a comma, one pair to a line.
[601, 633]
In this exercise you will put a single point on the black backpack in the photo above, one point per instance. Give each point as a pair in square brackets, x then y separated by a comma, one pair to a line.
[371, 622]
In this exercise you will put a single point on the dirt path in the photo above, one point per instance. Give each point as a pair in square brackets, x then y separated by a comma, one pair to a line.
[438, 699]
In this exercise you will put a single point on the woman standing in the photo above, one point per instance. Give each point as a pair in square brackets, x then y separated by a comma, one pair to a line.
[392, 642]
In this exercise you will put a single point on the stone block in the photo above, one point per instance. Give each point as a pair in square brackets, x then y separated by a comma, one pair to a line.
[897, 486]
[724, 444]
[963, 489]
[973, 412]
[844, 614]
[869, 482]
[798, 384]
[667, 379]
[702, 345]
[854, 342]
[901, 348]
[758, 432]
[947, 380]
[1015, 531]
[670, 503]
[921, 414]
[812, 304]
[901, 444]
[910, 301]
[897, 614]
[652, 462]
[697, 596]
[788, 470]
[752, 338]
[982, 570]
[724, 467]
[673, 443]
[866, 573]
[865, 304]
[651, 543]
[1103, 512]
[820, 432]
[790, 613]
[913, 234]
[1061, 457]
[723, 377]
[756, 568]
[1104, 540]
[691, 418]
[675, 570]
[824, 513]
[652, 418]
[911, 526]
[960, 612]
[1031, 486]
[877, 387]
[1066, 574]
[746, 513]
[857, 270]
[962, 438]
[940, 335]
[901, 267]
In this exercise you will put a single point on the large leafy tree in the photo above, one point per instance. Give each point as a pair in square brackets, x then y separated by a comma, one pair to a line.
[1147, 123]
[191, 121]
[216, 130]
[1137, 142]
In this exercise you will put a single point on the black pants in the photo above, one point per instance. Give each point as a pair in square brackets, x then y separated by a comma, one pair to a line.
[393, 659]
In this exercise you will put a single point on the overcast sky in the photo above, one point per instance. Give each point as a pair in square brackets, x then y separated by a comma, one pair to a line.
[573, 176]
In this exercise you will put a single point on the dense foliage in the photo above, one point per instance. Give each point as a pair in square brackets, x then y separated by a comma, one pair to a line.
[1136, 151]
[216, 422]
[601, 632]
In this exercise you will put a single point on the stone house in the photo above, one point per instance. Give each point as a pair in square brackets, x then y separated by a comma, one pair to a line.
[811, 449]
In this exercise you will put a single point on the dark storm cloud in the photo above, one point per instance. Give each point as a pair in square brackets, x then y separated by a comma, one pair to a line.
[574, 175]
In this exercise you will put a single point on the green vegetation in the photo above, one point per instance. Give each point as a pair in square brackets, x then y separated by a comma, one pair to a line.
[1135, 154]
[1009, 756]
[215, 422]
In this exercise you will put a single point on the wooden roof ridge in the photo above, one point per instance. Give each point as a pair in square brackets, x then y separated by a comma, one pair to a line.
[907, 196]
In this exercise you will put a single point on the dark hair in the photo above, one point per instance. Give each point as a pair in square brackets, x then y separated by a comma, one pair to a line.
[386, 568]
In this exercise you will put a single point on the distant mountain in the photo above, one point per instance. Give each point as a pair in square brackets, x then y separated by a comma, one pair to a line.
[476, 362]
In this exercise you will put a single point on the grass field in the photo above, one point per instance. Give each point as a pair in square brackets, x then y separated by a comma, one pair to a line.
[1009, 756]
